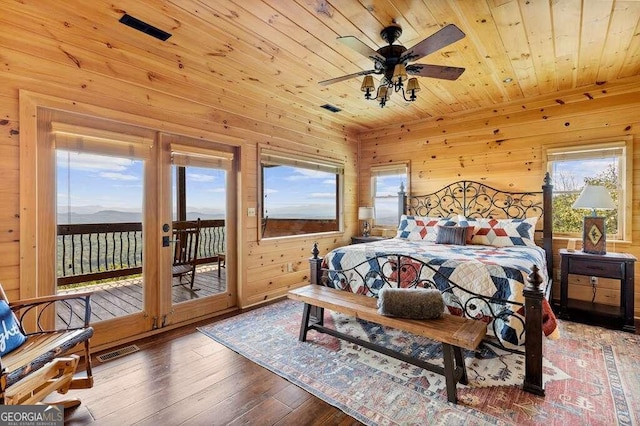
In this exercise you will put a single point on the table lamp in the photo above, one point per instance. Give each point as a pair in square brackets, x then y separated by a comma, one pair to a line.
[365, 213]
[594, 232]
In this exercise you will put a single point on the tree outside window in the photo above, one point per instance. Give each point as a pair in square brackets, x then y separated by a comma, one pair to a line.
[573, 168]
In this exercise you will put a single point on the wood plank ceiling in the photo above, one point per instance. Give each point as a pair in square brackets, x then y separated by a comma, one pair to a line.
[244, 56]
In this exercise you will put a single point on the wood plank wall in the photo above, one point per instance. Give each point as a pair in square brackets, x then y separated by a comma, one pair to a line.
[503, 147]
[183, 109]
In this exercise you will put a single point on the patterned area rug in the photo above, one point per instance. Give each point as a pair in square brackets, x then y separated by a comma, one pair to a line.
[591, 374]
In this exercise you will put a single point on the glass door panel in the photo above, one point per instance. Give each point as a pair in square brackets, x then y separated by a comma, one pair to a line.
[99, 240]
[199, 201]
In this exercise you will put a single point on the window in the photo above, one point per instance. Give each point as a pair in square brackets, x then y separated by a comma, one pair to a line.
[385, 185]
[605, 164]
[300, 195]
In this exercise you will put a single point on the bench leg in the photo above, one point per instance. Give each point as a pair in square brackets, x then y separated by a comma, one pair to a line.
[304, 326]
[317, 315]
[311, 315]
[449, 372]
[461, 365]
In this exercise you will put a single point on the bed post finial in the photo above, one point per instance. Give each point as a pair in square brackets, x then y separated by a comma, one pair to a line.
[547, 178]
[315, 264]
[402, 201]
[533, 295]
[534, 280]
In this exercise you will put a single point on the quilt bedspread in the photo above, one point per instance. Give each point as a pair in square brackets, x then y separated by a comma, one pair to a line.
[462, 273]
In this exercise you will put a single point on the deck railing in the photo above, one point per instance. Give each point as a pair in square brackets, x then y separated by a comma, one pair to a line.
[98, 251]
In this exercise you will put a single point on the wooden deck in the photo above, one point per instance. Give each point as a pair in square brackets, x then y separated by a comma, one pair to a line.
[124, 297]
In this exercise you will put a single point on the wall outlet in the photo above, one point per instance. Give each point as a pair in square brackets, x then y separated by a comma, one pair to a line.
[251, 211]
[289, 267]
[594, 281]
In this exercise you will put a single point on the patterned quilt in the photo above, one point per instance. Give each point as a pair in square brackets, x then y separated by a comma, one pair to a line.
[482, 282]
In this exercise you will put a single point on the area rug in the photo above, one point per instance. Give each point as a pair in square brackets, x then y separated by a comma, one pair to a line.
[592, 375]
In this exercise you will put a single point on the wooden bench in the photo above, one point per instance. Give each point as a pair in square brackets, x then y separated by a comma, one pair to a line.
[453, 332]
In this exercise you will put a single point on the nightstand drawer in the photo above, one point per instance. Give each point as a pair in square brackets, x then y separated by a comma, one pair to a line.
[596, 268]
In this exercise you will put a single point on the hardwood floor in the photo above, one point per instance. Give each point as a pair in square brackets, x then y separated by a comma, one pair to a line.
[184, 377]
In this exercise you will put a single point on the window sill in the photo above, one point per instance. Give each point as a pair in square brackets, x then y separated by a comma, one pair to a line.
[578, 239]
[302, 236]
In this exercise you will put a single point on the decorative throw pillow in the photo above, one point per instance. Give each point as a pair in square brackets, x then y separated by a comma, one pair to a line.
[417, 228]
[469, 225]
[12, 337]
[505, 232]
[414, 303]
[452, 235]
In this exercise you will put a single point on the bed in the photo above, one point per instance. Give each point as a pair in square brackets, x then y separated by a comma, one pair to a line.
[486, 250]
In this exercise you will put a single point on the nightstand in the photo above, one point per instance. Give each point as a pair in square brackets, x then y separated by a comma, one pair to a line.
[619, 266]
[360, 239]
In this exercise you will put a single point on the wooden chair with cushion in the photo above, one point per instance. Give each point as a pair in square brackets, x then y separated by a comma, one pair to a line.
[186, 236]
[40, 337]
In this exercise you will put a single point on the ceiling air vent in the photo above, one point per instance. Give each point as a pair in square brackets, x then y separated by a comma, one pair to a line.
[330, 107]
[144, 27]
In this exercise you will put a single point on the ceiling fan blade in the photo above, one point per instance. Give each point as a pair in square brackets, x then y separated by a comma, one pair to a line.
[361, 47]
[345, 77]
[435, 71]
[444, 37]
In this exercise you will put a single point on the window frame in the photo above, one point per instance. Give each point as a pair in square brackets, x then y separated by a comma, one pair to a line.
[625, 190]
[305, 161]
[378, 170]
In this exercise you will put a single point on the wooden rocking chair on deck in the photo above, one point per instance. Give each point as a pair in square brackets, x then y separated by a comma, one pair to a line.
[43, 361]
[186, 236]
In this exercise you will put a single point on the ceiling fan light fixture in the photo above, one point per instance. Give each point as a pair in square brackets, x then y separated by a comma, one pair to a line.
[399, 74]
[413, 87]
[394, 62]
[367, 86]
[383, 95]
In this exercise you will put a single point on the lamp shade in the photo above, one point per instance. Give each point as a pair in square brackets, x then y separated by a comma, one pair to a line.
[383, 93]
[412, 85]
[367, 84]
[399, 74]
[594, 197]
[365, 213]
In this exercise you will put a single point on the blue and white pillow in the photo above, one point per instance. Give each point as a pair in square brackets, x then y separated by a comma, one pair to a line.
[504, 232]
[418, 228]
[12, 336]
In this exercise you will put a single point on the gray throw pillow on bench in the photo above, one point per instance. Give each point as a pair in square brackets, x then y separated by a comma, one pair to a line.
[414, 303]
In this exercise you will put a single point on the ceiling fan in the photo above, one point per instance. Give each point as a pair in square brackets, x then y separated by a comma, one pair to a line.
[393, 62]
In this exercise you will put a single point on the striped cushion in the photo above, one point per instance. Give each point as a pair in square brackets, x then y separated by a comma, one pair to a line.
[451, 235]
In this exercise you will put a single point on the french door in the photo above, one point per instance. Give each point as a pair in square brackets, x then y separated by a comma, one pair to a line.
[198, 189]
[111, 198]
